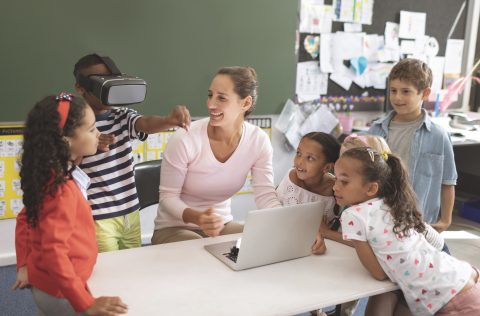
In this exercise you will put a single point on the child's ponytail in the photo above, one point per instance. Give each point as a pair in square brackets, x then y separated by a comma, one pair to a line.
[389, 172]
[399, 195]
[46, 155]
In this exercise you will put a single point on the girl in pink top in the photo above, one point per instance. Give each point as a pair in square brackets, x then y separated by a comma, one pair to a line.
[204, 167]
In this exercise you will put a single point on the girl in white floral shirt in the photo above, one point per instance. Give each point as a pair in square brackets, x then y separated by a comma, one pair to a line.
[386, 228]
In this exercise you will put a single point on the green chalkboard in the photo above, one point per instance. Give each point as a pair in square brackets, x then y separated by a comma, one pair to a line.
[176, 46]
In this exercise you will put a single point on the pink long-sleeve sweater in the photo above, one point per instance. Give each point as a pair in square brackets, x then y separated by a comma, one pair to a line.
[192, 177]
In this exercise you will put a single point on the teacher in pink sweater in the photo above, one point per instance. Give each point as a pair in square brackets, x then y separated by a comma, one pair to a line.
[204, 167]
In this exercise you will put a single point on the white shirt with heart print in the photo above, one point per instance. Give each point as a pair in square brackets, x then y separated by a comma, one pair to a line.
[428, 278]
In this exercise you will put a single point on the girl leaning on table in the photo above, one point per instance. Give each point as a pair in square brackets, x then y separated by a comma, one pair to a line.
[55, 234]
[331, 228]
[387, 230]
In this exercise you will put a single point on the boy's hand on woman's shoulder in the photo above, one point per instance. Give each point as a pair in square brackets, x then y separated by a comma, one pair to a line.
[179, 117]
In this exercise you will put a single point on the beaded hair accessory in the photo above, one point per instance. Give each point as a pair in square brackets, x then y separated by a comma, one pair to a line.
[362, 138]
[63, 107]
[384, 154]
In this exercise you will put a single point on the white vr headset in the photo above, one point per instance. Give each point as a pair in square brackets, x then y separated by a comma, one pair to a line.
[114, 88]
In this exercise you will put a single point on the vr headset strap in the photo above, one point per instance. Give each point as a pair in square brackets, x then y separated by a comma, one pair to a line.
[87, 83]
[109, 62]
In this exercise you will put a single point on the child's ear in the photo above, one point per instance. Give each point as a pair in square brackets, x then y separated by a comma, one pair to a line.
[67, 140]
[328, 167]
[79, 88]
[372, 189]
[426, 93]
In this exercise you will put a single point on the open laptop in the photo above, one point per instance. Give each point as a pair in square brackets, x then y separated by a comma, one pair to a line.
[273, 235]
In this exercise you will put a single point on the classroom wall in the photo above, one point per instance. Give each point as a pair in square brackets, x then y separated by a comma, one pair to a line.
[175, 46]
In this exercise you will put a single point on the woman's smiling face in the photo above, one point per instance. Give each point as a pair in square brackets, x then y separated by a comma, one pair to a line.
[224, 105]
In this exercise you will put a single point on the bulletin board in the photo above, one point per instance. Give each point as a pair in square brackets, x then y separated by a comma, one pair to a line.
[441, 15]
[11, 139]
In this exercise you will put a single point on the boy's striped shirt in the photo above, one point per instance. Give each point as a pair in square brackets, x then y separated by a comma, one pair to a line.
[112, 191]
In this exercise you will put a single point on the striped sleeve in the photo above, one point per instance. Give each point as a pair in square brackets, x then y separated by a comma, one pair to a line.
[132, 117]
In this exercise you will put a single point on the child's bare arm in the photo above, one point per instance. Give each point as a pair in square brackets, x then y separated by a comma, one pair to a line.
[179, 117]
[333, 235]
[369, 260]
[447, 196]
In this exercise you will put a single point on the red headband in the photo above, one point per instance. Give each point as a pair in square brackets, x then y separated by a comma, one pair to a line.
[63, 107]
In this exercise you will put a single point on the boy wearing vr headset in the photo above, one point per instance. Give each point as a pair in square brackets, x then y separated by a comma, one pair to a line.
[112, 193]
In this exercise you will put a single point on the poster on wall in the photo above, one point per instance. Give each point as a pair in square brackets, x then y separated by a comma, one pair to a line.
[11, 194]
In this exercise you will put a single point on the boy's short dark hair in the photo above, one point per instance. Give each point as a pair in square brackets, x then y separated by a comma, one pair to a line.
[88, 61]
[414, 71]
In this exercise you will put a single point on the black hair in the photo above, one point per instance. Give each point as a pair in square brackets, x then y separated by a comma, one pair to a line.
[394, 187]
[45, 157]
[330, 145]
[88, 61]
[331, 150]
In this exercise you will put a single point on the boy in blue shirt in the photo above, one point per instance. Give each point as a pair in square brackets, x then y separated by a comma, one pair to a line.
[425, 147]
[112, 193]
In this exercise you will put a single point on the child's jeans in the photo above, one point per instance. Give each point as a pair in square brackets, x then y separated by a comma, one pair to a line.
[465, 304]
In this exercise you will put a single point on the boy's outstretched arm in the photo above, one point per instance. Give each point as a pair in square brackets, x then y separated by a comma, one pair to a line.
[179, 117]
[447, 197]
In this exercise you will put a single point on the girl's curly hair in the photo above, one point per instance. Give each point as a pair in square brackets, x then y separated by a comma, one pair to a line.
[393, 187]
[45, 157]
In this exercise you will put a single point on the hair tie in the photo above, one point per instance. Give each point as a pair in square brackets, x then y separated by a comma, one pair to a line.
[353, 136]
[63, 107]
[384, 154]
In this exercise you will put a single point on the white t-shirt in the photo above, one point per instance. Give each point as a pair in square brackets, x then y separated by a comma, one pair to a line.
[288, 193]
[428, 278]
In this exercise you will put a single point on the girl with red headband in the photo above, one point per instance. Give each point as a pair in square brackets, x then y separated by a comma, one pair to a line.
[55, 234]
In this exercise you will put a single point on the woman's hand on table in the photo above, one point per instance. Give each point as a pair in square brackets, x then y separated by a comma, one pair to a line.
[211, 224]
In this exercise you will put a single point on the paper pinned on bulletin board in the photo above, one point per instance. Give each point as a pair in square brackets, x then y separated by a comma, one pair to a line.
[322, 120]
[391, 35]
[453, 61]
[341, 77]
[412, 24]
[11, 194]
[370, 47]
[311, 83]
[359, 11]
[315, 18]
[437, 65]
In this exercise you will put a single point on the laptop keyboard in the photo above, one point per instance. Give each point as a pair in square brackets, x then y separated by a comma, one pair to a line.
[233, 254]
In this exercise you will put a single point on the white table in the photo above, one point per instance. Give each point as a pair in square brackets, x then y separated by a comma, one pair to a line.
[184, 279]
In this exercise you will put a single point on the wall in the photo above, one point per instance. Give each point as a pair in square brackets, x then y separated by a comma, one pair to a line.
[175, 46]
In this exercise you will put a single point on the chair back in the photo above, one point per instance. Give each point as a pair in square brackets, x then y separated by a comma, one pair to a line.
[147, 181]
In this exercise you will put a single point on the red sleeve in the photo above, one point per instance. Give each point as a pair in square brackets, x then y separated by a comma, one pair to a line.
[22, 247]
[58, 221]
